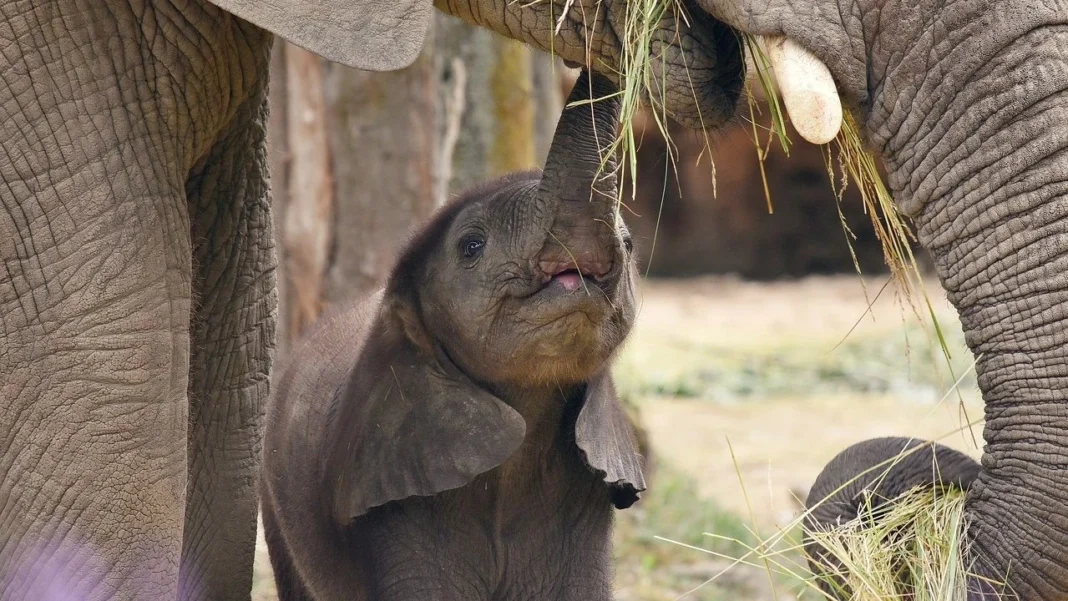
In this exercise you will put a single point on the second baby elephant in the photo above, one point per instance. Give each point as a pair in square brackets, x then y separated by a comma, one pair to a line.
[457, 436]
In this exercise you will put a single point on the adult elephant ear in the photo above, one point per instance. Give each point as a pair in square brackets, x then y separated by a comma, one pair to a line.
[406, 422]
[604, 434]
[374, 35]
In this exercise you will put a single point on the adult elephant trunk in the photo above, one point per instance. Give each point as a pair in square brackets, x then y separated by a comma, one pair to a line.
[695, 63]
[967, 102]
[997, 227]
[865, 479]
[580, 181]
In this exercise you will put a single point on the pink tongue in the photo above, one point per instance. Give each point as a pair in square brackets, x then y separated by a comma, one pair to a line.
[569, 280]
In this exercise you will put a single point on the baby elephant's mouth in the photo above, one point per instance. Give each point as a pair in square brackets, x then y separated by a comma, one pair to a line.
[570, 279]
[572, 275]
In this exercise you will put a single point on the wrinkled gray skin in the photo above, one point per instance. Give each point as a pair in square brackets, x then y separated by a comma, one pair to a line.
[457, 436]
[133, 170]
[966, 102]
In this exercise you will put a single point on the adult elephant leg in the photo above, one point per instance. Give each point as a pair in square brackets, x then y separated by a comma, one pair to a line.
[233, 338]
[107, 108]
[94, 346]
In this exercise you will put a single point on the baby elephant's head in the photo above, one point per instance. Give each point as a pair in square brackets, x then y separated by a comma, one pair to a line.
[529, 280]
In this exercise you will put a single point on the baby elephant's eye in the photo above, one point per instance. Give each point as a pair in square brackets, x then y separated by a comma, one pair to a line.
[628, 243]
[472, 247]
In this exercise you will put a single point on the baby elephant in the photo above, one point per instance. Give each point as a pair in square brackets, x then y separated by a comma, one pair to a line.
[458, 435]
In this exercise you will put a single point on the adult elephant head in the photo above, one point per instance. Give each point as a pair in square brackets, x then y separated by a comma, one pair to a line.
[967, 102]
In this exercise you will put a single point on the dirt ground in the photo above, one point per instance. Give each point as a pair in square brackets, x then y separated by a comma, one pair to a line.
[788, 374]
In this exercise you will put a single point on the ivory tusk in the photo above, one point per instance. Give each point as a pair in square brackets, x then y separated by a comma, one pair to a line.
[807, 89]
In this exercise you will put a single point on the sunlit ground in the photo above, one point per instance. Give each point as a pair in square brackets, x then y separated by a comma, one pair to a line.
[768, 370]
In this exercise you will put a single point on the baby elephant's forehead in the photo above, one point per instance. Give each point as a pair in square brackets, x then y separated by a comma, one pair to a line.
[500, 204]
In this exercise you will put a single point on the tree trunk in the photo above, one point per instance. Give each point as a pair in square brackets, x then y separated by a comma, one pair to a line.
[511, 102]
[278, 163]
[384, 148]
[309, 201]
[545, 75]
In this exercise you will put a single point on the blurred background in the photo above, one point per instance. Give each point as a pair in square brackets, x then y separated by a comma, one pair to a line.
[758, 353]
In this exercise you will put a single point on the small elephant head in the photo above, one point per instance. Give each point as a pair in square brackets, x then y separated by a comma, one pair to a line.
[522, 285]
[529, 280]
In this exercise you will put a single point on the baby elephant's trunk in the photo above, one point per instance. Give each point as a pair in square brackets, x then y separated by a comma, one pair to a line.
[580, 183]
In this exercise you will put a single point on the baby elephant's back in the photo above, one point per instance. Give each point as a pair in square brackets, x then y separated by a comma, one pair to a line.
[309, 376]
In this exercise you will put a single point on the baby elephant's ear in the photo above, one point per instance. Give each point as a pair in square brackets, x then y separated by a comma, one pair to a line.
[604, 434]
[408, 424]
